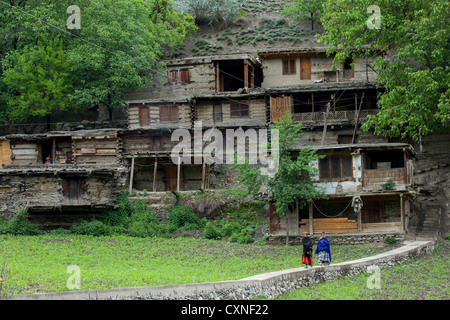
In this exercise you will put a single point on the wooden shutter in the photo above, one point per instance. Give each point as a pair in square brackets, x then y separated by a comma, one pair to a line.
[279, 106]
[173, 76]
[184, 76]
[5, 153]
[144, 116]
[168, 113]
[305, 68]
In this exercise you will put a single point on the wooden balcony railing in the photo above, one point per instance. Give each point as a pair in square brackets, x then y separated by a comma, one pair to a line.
[347, 115]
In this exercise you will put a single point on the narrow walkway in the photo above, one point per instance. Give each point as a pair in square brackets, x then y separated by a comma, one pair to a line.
[268, 284]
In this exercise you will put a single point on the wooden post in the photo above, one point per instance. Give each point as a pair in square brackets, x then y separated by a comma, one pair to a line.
[54, 151]
[245, 75]
[311, 228]
[154, 174]
[312, 103]
[402, 212]
[325, 123]
[178, 174]
[334, 105]
[203, 174]
[217, 77]
[131, 176]
[359, 220]
[357, 119]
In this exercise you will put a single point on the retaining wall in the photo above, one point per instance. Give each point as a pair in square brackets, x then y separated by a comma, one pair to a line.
[269, 284]
[340, 239]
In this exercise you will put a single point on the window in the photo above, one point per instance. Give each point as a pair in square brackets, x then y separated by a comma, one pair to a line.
[178, 76]
[156, 143]
[335, 168]
[289, 66]
[168, 113]
[239, 110]
[349, 72]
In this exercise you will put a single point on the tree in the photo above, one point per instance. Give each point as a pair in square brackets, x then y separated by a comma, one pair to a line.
[117, 49]
[298, 9]
[415, 81]
[38, 79]
[292, 184]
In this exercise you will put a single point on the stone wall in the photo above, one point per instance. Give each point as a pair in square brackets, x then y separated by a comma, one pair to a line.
[347, 239]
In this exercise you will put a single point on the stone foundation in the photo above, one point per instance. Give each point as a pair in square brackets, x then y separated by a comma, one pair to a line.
[339, 239]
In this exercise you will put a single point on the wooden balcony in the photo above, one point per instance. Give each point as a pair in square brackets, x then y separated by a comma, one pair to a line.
[333, 116]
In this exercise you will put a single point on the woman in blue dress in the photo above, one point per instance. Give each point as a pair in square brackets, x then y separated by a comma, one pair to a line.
[323, 250]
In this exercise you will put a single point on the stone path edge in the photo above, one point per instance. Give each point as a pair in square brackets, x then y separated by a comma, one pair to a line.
[269, 284]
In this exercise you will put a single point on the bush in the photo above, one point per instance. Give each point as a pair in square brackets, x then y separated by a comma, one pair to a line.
[447, 236]
[20, 225]
[121, 215]
[390, 240]
[182, 216]
[211, 232]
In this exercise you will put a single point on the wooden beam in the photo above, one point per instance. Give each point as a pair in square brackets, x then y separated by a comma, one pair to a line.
[203, 173]
[325, 124]
[245, 75]
[178, 174]
[357, 119]
[131, 176]
[311, 222]
[154, 174]
[402, 211]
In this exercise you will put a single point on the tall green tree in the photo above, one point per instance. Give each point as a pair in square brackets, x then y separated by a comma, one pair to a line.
[293, 182]
[299, 9]
[413, 48]
[38, 78]
[117, 48]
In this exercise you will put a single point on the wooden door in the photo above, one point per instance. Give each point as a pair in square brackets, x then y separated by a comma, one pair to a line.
[279, 106]
[305, 68]
[171, 178]
[373, 211]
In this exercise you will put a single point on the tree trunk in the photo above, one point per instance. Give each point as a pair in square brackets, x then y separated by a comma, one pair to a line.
[110, 113]
[312, 21]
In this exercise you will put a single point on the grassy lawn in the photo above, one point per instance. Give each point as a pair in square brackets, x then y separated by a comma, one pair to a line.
[419, 279]
[39, 263]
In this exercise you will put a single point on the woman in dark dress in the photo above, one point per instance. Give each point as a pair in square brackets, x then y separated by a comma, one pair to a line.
[307, 250]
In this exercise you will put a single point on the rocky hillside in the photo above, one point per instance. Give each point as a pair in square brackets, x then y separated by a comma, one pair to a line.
[260, 26]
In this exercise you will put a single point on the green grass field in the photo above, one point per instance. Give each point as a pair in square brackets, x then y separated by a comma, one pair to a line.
[37, 264]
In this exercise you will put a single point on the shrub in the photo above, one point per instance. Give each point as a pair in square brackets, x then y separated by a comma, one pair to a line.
[211, 232]
[390, 240]
[389, 185]
[121, 215]
[447, 236]
[181, 216]
[20, 225]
